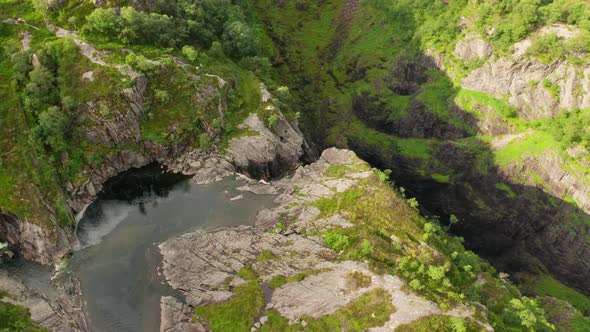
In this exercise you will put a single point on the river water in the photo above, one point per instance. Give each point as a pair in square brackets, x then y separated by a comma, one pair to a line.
[118, 261]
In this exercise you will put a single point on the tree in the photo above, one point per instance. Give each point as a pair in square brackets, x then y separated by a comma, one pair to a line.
[52, 129]
[239, 40]
[40, 90]
[104, 21]
[205, 19]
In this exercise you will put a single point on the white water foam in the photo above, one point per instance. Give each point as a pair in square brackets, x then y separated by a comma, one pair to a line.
[113, 213]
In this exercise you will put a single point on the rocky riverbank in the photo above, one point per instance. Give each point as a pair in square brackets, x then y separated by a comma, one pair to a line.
[65, 312]
[284, 253]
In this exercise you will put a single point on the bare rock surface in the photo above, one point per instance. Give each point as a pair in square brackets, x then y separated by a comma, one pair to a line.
[205, 265]
[176, 317]
[525, 80]
[265, 152]
[36, 243]
[66, 313]
[473, 48]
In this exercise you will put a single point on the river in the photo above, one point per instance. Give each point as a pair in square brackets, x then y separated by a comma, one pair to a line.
[117, 260]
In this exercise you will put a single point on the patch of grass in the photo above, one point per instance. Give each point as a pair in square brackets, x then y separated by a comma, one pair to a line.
[277, 281]
[470, 100]
[336, 240]
[265, 255]
[417, 148]
[440, 323]
[546, 285]
[372, 309]
[247, 273]
[337, 171]
[340, 201]
[17, 318]
[441, 178]
[236, 314]
[358, 280]
[506, 188]
[532, 144]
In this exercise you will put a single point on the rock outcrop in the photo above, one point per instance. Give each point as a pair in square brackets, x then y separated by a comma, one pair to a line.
[65, 313]
[33, 241]
[206, 265]
[537, 89]
[473, 49]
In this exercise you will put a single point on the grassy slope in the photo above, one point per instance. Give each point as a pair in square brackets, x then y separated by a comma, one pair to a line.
[379, 32]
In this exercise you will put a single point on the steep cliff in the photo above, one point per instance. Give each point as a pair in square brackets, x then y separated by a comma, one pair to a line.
[474, 106]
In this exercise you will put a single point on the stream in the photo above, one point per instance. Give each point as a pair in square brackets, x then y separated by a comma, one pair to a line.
[117, 260]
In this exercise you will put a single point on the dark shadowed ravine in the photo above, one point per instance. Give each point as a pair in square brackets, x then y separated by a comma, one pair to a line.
[118, 260]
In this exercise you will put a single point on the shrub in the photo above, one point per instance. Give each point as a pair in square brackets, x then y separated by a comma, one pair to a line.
[272, 119]
[204, 142]
[529, 314]
[190, 53]
[141, 63]
[547, 48]
[336, 241]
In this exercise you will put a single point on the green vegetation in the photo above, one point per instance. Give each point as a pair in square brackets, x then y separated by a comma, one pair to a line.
[441, 323]
[506, 188]
[59, 107]
[238, 313]
[176, 24]
[277, 281]
[370, 310]
[568, 317]
[265, 255]
[447, 278]
[358, 77]
[16, 318]
[546, 285]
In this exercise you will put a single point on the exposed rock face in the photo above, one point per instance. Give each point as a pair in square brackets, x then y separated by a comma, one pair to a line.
[177, 317]
[525, 81]
[473, 48]
[33, 241]
[267, 153]
[64, 314]
[204, 265]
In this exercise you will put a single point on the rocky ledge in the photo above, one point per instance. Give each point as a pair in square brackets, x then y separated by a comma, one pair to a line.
[65, 312]
[284, 256]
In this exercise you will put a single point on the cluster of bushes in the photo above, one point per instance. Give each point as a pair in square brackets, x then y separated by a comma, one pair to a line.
[511, 21]
[569, 128]
[16, 318]
[504, 21]
[176, 23]
[551, 47]
[46, 109]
